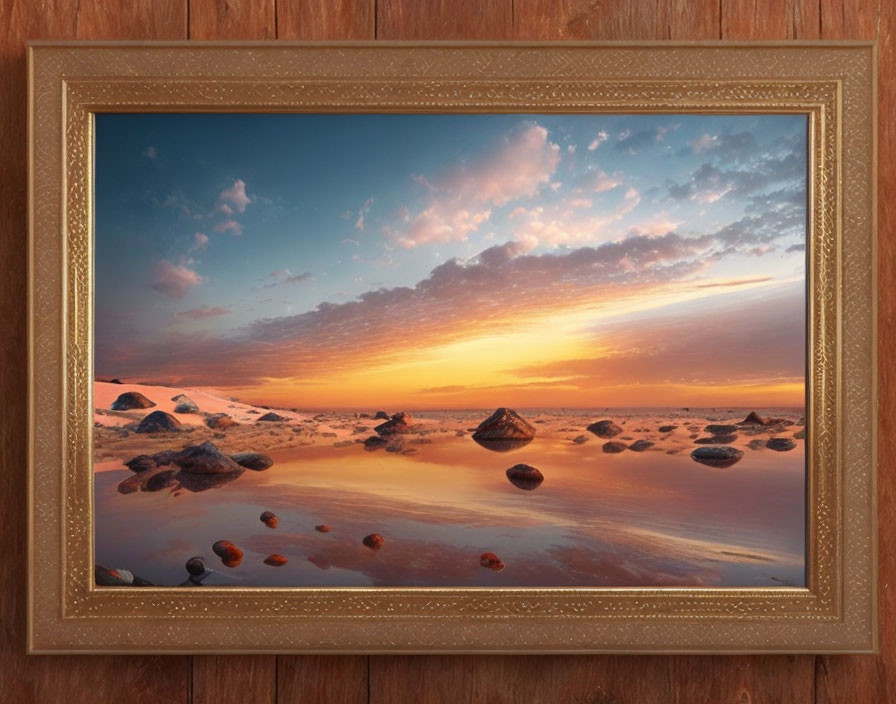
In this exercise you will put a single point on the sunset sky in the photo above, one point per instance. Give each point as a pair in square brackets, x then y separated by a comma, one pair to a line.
[455, 261]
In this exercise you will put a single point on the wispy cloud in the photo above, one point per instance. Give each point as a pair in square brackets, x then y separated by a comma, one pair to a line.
[280, 277]
[234, 198]
[229, 225]
[173, 280]
[203, 312]
[150, 152]
[735, 167]
[457, 300]
[362, 213]
[601, 137]
[200, 241]
[460, 198]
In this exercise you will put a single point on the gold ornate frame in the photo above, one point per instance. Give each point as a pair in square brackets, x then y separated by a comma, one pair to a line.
[833, 83]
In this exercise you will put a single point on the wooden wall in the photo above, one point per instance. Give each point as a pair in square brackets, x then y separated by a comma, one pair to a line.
[414, 679]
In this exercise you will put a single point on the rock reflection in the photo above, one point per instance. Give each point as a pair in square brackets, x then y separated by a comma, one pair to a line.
[203, 482]
[502, 445]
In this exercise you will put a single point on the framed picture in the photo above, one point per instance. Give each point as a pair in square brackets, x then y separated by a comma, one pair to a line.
[452, 347]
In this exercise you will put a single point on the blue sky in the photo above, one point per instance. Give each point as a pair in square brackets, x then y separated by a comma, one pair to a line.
[217, 228]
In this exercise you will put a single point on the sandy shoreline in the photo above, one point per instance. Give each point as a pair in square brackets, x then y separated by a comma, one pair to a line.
[115, 440]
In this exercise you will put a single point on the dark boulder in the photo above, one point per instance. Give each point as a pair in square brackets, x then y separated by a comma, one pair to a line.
[159, 422]
[165, 457]
[270, 519]
[604, 429]
[614, 447]
[115, 381]
[275, 560]
[375, 442]
[640, 445]
[205, 459]
[399, 424]
[667, 428]
[719, 457]
[504, 424]
[229, 553]
[219, 421]
[754, 419]
[780, 444]
[381, 415]
[525, 477]
[374, 541]
[141, 463]
[130, 400]
[184, 404]
[195, 566]
[252, 460]
[721, 429]
[271, 417]
[322, 528]
[491, 561]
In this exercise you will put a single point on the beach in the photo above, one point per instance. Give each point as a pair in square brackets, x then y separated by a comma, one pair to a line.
[622, 504]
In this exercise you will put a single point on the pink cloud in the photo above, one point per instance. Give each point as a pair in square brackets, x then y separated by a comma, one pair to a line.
[458, 299]
[234, 197]
[523, 162]
[441, 224]
[597, 181]
[659, 225]
[173, 280]
[461, 197]
[704, 142]
[566, 223]
[229, 226]
[362, 213]
[601, 137]
[200, 241]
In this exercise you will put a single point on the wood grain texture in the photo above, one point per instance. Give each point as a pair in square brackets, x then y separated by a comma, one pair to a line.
[533, 679]
[326, 19]
[35, 680]
[857, 678]
[762, 19]
[233, 19]
[444, 19]
[616, 19]
[322, 679]
[235, 679]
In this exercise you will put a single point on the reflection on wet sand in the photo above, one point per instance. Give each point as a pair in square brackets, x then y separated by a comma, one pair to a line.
[502, 445]
[637, 518]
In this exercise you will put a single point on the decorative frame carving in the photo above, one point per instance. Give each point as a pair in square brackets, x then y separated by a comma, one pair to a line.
[833, 83]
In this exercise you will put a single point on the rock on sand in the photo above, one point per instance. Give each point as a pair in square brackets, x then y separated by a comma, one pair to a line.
[158, 422]
[719, 457]
[604, 429]
[130, 400]
[524, 476]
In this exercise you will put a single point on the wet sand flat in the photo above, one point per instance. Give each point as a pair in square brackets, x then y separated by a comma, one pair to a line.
[440, 500]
